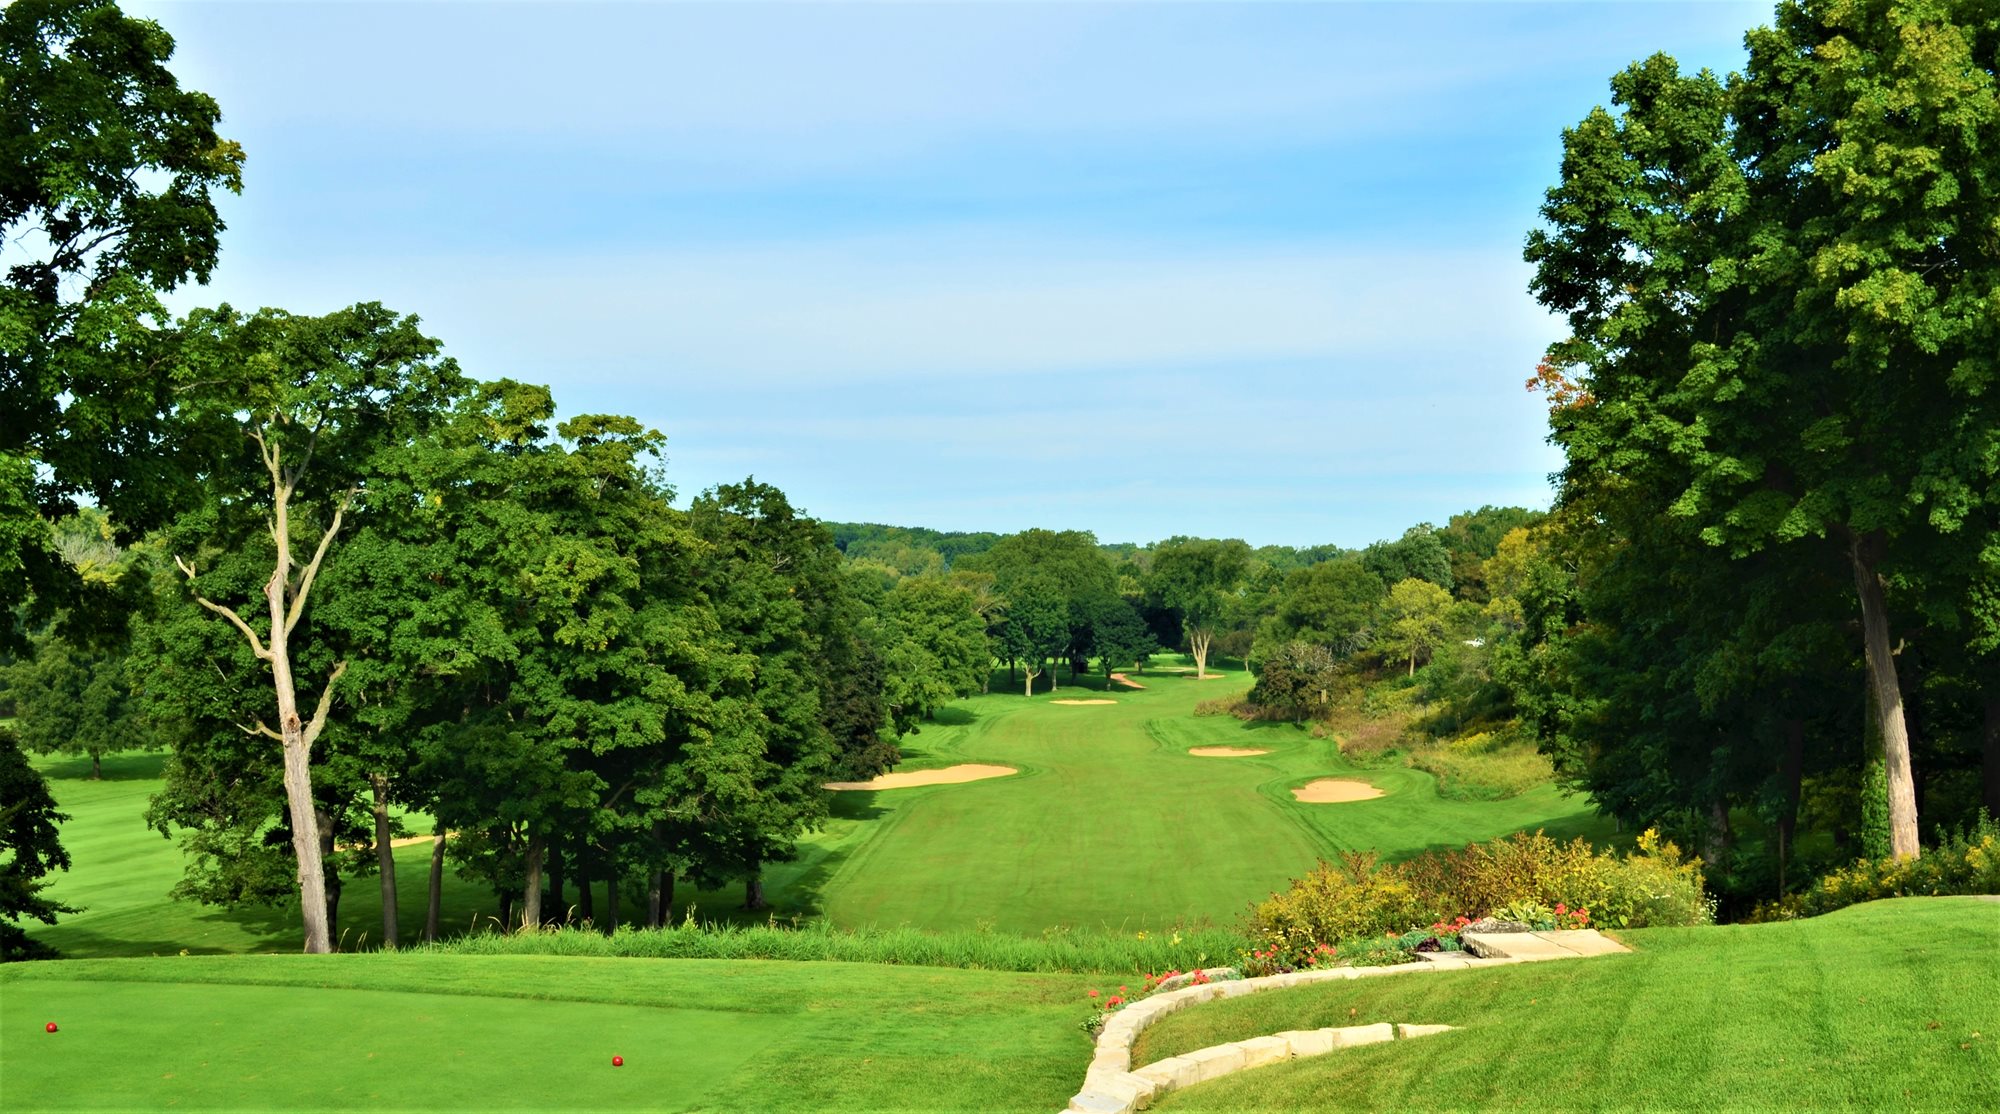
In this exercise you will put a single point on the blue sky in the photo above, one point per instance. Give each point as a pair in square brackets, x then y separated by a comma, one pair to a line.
[1234, 270]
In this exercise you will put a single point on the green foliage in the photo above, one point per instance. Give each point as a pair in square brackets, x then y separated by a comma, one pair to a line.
[107, 174]
[1962, 862]
[1298, 680]
[1332, 604]
[1484, 766]
[69, 699]
[1359, 897]
[1416, 619]
[1055, 951]
[31, 843]
[1420, 554]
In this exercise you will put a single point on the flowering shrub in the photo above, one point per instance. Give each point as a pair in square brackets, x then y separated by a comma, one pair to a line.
[1967, 862]
[1568, 885]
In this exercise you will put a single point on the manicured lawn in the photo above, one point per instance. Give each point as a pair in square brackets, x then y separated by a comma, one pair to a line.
[435, 1033]
[1111, 825]
[1894, 1005]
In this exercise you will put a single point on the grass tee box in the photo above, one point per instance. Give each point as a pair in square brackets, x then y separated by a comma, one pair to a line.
[480, 1033]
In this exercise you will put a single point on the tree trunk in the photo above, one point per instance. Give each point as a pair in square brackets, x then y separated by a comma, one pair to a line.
[667, 882]
[96, 767]
[554, 869]
[1790, 770]
[1990, 756]
[653, 913]
[611, 904]
[1198, 641]
[1888, 699]
[753, 890]
[1413, 665]
[586, 907]
[1028, 685]
[1716, 843]
[385, 858]
[531, 893]
[313, 910]
[434, 901]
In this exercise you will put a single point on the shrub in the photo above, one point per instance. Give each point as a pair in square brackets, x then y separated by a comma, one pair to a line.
[1352, 899]
[1360, 900]
[1966, 862]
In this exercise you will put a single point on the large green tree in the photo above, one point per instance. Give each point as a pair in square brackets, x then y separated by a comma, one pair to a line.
[295, 415]
[1195, 577]
[108, 171]
[30, 849]
[1780, 291]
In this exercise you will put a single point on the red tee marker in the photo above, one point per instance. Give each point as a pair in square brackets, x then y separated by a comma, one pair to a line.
[616, 1061]
[50, 1027]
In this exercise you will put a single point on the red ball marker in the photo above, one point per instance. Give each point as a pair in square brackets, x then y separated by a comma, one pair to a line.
[50, 1027]
[616, 1061]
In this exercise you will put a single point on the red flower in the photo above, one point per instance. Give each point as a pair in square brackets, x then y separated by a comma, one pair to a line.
[1093, 994]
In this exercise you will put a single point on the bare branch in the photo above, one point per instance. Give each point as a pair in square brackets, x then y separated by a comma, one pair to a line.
[312, 570]
[260, 729]
[325, 705]
[256, 646]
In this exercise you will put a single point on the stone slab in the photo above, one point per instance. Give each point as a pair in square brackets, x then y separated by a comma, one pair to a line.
[1309, 1042]
[1515, 945]
[1171, 1074]
[1356, 1035]
[1215, 1062]
[1585, 941]
[1259, 1051]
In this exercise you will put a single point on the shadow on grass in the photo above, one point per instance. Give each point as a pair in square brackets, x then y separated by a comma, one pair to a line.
[128, 766]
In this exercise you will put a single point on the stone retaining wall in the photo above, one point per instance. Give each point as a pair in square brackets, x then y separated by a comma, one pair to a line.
[1111, 1086]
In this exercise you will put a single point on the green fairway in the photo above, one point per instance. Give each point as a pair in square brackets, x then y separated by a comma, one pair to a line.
[431, 1032]
[1890, 1005]
[1110, 824]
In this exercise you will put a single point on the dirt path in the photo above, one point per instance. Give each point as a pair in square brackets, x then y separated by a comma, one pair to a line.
[950, 775]
[1126, 681]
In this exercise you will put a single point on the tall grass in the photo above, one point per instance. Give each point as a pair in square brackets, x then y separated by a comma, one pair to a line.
[1059, 952]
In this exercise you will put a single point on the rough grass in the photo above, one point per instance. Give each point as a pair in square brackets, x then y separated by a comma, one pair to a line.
[447, 1033]
[1483, 767]
[1058, 952]
[1891, 1005]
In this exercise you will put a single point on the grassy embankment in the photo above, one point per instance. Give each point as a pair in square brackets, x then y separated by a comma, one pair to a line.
[1893, 1005]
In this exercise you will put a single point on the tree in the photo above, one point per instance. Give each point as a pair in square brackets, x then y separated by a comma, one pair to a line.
[320, 399]
[1780, 289]
[1045, 577]
[933, 643]
[1195, 577]
[1118, 636]
[1297, 678]
[1332, 605]
[32, 849]
[107, 174]
[72, 700]
[1416, 618]
[1419, 553]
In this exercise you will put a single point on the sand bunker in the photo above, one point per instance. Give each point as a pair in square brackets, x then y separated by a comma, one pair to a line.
[1083, 702]
[1226, 752]
[950, 775]
[1333, 790]
[1126, 681]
